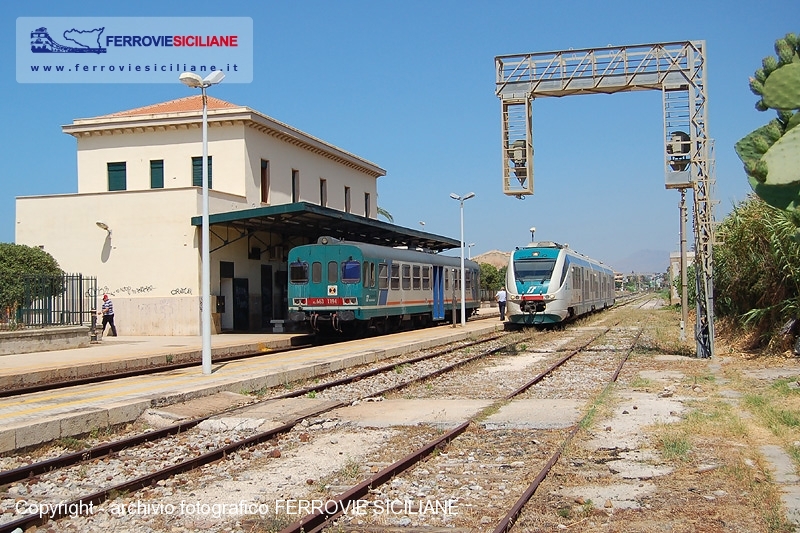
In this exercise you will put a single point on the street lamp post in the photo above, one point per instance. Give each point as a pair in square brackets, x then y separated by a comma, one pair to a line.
[194, 81]
[461, 200]
[533, 230]
[469, 250]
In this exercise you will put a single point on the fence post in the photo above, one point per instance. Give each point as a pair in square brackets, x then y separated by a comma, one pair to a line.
[93, 331]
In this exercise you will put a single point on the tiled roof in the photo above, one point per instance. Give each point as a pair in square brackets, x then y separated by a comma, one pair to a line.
[189, 103]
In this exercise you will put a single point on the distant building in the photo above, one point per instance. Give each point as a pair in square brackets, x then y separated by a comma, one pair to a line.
[496, 258]
[675, 275]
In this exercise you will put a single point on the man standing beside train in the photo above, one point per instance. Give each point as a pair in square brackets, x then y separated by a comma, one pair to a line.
[501, 302]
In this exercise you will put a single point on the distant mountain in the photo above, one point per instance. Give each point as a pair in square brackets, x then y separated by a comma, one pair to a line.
[642, 261]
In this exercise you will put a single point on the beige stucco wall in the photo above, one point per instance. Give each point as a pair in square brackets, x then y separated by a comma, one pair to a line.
[284, 158]
[150, 261]
[176, 147]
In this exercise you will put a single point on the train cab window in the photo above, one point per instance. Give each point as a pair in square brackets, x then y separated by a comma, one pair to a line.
[298, 272]
[316, 272]
[426, 278]
[383, 276]
[468, 279]
[416, 277]
[351, 271]
[534, 269]
[395, 277]
[406, 277]
[333, 272]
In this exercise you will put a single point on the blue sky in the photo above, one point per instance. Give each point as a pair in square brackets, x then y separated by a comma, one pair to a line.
[410, 86]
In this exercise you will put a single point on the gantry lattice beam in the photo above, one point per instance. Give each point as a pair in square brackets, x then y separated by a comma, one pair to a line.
[678, 69]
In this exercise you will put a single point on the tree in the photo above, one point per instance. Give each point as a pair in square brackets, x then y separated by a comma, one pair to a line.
[491, 278]
[17, 260]
[385, 214]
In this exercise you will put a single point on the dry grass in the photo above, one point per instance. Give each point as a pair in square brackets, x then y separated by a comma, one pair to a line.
[719, 480]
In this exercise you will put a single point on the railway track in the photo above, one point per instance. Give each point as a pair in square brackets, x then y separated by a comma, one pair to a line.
[232, 447]
[368, 494]
[32, 472]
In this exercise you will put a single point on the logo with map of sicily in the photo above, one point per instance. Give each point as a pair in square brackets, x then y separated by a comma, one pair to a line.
[80, 42]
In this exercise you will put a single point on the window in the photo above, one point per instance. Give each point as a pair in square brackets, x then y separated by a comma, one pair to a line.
[157, 174]
[367, 205]
[383, 276]
[323, 192]
[264, 181]
[226, 269]
[316, 272]
[416, 278]
[426, 278]
[347, 199]
[116, 177]
[395, 277]
[351, 271]
[197, 171]
[298, 272]
[333, 272]
[295, 186]
[406, 277]
[369, 274]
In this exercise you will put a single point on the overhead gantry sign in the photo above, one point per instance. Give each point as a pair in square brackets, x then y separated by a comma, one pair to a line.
[678, 70]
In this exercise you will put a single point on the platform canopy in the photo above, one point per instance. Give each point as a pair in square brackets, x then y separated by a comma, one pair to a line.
[310, 221]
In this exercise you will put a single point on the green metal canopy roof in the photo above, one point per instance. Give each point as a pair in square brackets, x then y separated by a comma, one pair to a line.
[312, 221]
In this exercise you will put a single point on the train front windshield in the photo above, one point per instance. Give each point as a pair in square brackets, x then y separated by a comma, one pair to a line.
[534, 269]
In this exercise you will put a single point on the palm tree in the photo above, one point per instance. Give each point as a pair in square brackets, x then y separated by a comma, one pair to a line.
[385, 214]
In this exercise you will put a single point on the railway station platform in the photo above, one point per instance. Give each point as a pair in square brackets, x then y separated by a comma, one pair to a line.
[36, 418]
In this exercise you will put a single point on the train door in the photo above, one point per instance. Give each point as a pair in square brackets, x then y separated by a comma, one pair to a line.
[438, 293]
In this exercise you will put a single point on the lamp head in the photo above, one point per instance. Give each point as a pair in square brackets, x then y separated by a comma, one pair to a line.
[102, 225]
[190, 79]
[214, 78]
[454, 196]
[469, 195]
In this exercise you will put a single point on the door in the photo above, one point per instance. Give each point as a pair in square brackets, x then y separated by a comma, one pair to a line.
[266, 296]
[438, 293]
[241, 304]
[226, 291]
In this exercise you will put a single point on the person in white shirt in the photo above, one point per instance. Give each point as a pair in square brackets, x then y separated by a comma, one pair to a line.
[501, 302]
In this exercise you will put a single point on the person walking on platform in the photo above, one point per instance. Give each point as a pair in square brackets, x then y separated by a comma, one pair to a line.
[501, 302]
[108, 315]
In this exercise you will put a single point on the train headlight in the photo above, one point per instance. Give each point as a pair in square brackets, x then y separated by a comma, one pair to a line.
[549, 297]
[299, 301]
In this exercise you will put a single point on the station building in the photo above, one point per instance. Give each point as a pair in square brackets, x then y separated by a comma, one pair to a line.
[135, 222]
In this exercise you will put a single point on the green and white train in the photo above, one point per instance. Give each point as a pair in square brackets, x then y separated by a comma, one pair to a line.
[347, 286]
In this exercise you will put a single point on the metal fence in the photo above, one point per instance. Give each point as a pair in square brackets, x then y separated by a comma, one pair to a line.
[66, 300]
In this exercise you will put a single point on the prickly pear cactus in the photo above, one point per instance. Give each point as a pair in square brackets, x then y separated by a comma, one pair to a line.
[771, 154]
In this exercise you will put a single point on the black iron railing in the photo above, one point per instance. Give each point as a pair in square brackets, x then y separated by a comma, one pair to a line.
[66, 300]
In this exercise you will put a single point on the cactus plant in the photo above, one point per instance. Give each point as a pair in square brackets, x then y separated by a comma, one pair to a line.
[771, 154]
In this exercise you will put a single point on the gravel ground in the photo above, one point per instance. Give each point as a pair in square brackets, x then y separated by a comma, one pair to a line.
[670, 447]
